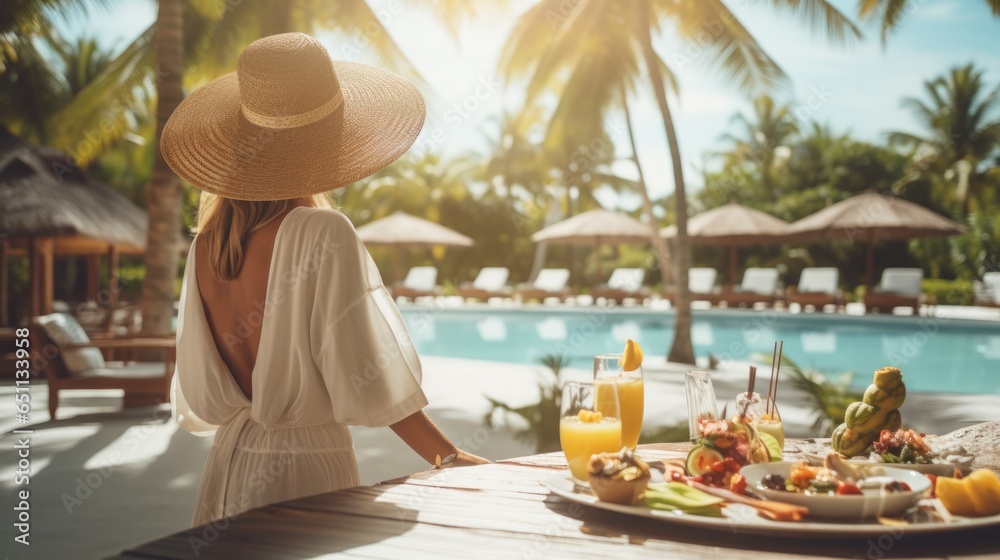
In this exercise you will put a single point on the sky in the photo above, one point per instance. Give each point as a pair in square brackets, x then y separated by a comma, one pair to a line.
[854, 89]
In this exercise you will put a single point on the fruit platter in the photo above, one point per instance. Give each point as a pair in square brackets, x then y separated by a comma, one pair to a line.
[873, 474]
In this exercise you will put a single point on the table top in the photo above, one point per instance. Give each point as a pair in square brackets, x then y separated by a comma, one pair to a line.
[501, 510]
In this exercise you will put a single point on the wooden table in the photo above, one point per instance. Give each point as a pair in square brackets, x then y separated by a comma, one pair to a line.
[502, 511]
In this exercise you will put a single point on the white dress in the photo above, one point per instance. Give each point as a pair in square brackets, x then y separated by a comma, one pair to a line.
[334, 351]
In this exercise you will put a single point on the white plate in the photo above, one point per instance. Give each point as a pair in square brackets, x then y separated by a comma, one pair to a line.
[744, 519]
[939, 469]
[840, 508]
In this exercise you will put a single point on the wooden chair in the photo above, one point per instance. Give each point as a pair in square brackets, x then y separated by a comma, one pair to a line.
[899, 287]
[420, 281]
[491, 282]
[818, 286]
[623, 284]
[62, 352]
[550, 283]
[760, 285]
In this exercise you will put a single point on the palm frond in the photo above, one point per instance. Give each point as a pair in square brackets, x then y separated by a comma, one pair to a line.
[531, 36]
[99, 113]
[820, 15]
[724, 44]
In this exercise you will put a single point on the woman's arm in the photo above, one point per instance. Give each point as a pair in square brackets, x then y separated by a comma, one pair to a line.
[424, 437]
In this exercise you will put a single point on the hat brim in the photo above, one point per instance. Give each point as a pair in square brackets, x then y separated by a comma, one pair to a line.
[209, 143]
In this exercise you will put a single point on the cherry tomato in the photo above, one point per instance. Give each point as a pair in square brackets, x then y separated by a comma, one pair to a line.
[738, 484]
[718, 466]
[846, 488]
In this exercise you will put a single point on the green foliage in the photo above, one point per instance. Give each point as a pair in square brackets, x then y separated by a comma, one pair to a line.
[977, 251]
[949, 292]
[829, 399]
[542, 417]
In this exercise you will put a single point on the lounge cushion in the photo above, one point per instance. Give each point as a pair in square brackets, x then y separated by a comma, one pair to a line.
[138, 370]
[64, 329]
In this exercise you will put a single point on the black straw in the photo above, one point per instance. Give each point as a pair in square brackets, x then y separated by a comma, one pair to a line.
[753, 380]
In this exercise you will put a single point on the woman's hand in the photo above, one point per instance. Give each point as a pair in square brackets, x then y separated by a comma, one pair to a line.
[463, 459]
[426, 439]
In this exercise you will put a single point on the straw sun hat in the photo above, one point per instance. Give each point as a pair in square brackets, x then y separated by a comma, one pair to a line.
[290, 122]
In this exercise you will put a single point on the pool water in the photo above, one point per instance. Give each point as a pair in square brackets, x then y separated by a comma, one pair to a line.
[936, 355]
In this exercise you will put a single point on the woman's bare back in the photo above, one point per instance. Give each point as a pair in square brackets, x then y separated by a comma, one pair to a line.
[235, 309]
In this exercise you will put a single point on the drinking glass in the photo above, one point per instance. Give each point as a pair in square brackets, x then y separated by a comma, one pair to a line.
[757, 411]
[609, 377]
[584, 429]
[701, 401]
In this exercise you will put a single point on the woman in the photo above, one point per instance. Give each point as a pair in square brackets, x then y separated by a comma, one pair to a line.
[286, 334]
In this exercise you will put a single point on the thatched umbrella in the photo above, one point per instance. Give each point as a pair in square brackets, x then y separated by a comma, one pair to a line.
[403, 230]
[595, 228]
[733, 225]
[874, 217]
[48, 206]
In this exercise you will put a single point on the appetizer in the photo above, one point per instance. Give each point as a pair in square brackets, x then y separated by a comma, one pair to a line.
[902, 446]
[619, 478]
[723, 448]
[877, 411]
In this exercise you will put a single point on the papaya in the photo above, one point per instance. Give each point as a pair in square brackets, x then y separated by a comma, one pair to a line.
[838, 433]
[854, 443]
[864, 417]
[889, 378]
[893, 422]
[878, 410]
[889, 399]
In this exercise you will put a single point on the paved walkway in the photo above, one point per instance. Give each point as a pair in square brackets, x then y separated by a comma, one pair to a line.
[103, 479]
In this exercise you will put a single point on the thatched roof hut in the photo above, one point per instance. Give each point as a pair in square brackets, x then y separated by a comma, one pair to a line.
[48, 207]
[42, 193]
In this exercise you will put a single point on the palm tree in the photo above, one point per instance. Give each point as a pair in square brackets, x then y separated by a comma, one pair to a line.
[961, 131]
[607, 47]
[888, 14]
[764, 135]
[79, 98]
[164, 193]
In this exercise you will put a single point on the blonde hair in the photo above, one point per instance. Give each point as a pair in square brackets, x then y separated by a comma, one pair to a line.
[227, 223]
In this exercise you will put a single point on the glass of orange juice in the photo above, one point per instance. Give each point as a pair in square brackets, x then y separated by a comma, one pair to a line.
[584, 430]
[609, 378]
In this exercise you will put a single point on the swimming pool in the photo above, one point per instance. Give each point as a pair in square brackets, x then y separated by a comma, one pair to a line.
[935, 354]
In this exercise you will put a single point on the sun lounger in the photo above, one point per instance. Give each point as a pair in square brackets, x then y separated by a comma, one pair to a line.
[899, 287]
[623, 284]
[420, 281]
[760, 285]
[63, 352]
[701, 284]
[550, 283]
[491, 282]
[817, 287]
[987, 292]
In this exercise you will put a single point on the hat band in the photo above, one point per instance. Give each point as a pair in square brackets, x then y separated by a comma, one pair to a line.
[295, 121]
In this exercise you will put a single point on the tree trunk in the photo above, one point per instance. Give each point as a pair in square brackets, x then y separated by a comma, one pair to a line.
[682, 350]
[659, 244]
[542, 249]
[163, 194]
[964, 169]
